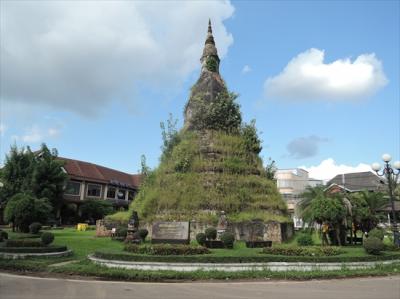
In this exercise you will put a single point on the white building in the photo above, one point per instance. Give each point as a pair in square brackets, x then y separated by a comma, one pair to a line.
[291, 184]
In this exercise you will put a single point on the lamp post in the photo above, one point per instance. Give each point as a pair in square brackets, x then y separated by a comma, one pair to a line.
[391, 175]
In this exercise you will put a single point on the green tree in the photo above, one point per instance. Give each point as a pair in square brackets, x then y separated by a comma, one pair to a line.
[270, 169]
[17, 173]
[23, 209]
[308, 196]
[93, 210]
[365, 209]
[170, 136]
[48, 179]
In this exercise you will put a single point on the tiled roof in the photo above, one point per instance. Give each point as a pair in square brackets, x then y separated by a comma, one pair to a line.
[92, 172]
[359, 181]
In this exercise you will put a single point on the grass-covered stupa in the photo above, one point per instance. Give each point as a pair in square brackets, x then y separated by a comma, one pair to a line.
[212, 164]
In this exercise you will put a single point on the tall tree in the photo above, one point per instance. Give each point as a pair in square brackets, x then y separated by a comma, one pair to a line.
[48, 179]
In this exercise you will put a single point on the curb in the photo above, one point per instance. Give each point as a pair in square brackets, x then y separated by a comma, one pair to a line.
[15, 256]
[235, 267]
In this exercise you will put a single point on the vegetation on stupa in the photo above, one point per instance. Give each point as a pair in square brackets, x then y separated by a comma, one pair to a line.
[212, 164]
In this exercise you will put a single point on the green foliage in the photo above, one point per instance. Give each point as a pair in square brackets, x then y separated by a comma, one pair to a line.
[35, 227]
[270, 169]
[211, 233]
[377, 233]
[373, 245]
[3, 235]
[95, 209]
[23, 209]
[305, 240]
[327, 209]
[212, 64]
[251, 140]
[39, 174]
[24, 243]
[201, 238]
[169, 135]
[221, 114]
[365, 209]
[47, 238]
[228, 239]
[143, 233]
[121, 231]
[33, 249]
[166, 249]
[303, 251]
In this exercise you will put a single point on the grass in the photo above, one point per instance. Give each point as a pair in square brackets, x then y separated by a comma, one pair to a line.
[84, 243]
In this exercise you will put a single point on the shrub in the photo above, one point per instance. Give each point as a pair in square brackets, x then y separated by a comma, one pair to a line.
[377, 233]
[166, 249]
[143, 234]
[211, 233]
[47, 238]
[302, 251]
[3, 235]
[373, 245]
[35, 227]
[33, 249]
[201, 238]
[305, 240]
[95, 209]
[228, 239]
[24, 243]
[121, 232]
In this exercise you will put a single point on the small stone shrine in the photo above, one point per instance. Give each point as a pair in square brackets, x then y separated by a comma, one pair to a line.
[171, 232]
[133, 226]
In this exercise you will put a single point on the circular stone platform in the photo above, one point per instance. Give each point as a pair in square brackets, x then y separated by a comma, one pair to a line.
[234, 267]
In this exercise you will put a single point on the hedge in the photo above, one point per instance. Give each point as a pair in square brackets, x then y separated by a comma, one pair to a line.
[262, 258]
[24, 243]
[166, 249]
[302, 251]
[33, 249]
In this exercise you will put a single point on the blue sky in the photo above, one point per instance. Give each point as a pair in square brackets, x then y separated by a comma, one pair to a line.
[94, 79]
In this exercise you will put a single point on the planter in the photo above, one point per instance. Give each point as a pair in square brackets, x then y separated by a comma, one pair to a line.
[214, 244]
[258, 244]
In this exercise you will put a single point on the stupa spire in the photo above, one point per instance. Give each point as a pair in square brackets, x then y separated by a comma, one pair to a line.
[209, 51]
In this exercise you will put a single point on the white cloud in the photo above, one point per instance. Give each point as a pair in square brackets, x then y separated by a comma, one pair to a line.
[328, 168]
[80, 55]
[36, 134]
[246, 69]
[308, 77]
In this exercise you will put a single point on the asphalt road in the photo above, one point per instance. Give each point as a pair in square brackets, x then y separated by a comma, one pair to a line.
[25, 287]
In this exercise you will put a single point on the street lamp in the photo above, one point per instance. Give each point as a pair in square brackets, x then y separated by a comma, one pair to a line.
[391, 175]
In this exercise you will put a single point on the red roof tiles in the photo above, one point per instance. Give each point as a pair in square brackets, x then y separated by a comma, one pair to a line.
[92, 172]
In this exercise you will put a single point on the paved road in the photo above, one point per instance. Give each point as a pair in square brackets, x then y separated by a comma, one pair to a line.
[25, 287]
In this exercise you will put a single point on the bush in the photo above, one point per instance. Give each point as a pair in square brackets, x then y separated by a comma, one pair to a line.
[35, 227]
[228, 239]
[373, 245]
[3, 235]
[201, 238]
[47, 238]
[302, 251]
[143, 234]
[24, 243]
[121, 232]
[377, 233]
[93, 210]
[305, 240]
[211, 233]
[166, 249]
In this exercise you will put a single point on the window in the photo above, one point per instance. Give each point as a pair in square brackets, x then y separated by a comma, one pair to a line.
[131, 195]
[121, 194]
[93, 190]
[111, 192]
[73, 188]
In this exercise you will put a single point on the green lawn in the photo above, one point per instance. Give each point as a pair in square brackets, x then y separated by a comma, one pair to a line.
[84, 243]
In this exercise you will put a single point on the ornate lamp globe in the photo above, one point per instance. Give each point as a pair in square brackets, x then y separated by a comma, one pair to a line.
[396, 165]
[376, 166]
[386, 158]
